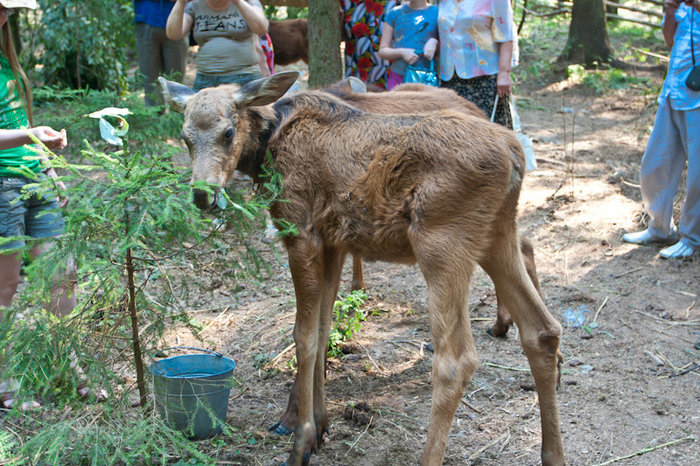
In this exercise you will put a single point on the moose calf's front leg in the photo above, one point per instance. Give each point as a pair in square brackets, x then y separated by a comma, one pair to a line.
[306, 268]
[306, 340]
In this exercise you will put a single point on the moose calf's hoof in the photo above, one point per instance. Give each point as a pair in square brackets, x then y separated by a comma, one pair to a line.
[498, 332]
[279, 429]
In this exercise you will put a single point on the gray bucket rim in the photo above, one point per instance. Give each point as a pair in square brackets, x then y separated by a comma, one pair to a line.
[167, 372]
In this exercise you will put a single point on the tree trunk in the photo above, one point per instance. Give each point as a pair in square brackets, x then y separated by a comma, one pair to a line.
[135, 340]
[588, 35]
[325, 63]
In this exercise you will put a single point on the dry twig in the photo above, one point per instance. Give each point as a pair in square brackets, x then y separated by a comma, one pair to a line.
[473, 408]
[628, 272]
[358, 438]
[374, 363]
[646, 450]
[595, 317]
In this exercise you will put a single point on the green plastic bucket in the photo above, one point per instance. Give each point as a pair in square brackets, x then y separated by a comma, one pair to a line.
[191, 391]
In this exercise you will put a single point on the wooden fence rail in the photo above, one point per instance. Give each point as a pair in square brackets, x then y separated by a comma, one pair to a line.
[292, 3]
[638, 10]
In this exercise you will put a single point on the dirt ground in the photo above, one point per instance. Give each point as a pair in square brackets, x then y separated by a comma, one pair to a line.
[624, 390]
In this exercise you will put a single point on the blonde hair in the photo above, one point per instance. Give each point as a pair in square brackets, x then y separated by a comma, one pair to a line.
[7, 47]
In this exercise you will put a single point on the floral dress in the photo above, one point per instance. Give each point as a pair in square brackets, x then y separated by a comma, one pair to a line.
[362, 23]
[470, 33]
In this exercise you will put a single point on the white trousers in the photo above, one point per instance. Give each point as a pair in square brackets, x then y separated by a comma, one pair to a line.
[674, 140]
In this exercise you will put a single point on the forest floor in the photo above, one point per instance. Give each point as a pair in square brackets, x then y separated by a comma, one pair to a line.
[624, 390]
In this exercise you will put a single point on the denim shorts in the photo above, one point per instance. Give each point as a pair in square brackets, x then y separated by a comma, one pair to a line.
[203, 81]
[34, 216]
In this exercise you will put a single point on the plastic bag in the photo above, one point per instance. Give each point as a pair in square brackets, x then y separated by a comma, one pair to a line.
[419, 73]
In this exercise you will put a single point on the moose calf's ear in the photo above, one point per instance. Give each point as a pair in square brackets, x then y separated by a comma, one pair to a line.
[175, 94]
[266, 90]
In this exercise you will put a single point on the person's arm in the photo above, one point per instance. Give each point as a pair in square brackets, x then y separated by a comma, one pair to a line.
[504, 83]
[262, 59]
[430, 48]
[179, 24]
[54, 140]
[387, 52]
[253, 15]
[669, 26]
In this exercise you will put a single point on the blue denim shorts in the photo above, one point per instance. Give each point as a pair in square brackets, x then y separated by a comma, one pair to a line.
[34, 216]
[202, 81]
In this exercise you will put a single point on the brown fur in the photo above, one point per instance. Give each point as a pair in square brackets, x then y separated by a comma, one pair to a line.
[420, 98]
[438, 189]
[290, 41]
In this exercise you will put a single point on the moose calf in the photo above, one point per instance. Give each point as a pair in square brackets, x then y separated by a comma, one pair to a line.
[290, 40]
[421, 98]
[440, 190]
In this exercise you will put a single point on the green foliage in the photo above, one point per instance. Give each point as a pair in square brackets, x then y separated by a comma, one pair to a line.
[128, 202]
[8, 443]
[349, 315]
[150, 129]
[604, 80]
[296, 12]
[540, 42]
[101, 438]
[279, 13]
[85, 42]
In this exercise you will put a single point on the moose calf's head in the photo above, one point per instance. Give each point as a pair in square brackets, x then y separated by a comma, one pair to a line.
[217, 125]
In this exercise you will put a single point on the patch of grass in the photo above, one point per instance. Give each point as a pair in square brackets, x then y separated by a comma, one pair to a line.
[530, 105]
[605, 80]
[349, 316]
[97, 438]
[541, 41]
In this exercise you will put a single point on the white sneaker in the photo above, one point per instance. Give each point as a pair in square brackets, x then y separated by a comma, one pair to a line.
[646, 237]
[680, 250]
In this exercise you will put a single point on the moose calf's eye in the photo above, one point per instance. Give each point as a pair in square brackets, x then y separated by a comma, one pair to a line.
[229, 133]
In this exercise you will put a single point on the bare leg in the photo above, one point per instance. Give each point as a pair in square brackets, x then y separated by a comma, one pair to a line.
[10, 265]
[62, 298]
[503, 319]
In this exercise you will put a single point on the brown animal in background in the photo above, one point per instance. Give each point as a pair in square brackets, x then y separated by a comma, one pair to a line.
[420, 98]
[290, 41]
[438, 189]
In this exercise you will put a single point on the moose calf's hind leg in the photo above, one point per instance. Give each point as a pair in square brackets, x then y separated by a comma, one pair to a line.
[503, 319]
[540, 335]
[332, 270]
[289, 420]
[358, 280]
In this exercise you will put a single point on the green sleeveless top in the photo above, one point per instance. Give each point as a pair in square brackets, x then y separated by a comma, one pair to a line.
[13, 116]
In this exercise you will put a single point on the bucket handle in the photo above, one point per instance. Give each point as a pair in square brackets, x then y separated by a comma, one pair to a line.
[190, 348]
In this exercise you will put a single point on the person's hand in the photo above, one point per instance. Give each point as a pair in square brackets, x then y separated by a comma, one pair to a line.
[409, 56]
[429, 48]
[62, 200]
[504, 84]
[53, 139]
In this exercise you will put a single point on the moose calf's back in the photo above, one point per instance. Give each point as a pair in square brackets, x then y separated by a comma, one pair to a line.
[371, 179]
